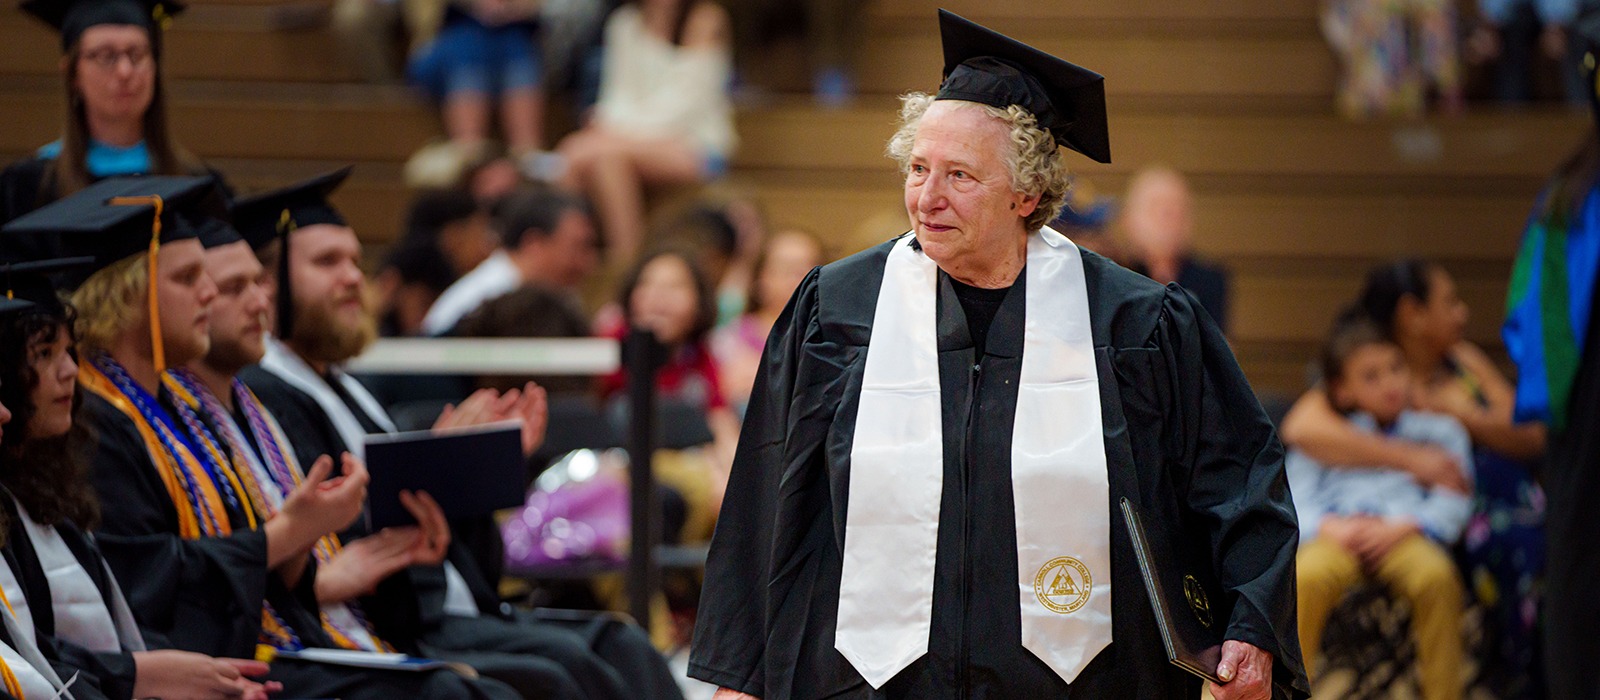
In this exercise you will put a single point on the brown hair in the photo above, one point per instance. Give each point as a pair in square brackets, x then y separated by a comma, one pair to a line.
[49, 476]
[1352, 330]
[70, 172]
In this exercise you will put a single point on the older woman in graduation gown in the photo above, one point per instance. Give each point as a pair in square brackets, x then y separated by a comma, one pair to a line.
[859, 555]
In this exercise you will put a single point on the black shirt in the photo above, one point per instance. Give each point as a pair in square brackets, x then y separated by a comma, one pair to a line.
[980, 305]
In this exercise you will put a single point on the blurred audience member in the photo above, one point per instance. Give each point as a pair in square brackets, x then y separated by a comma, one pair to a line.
[1377, 522]
[411, 278]
[1514, 32]
[491, 178]
[666, 293]
[116, 120]
[1394, 52]
[1086, 220]
[784, 261]
[546, 240]
[1158, 213]
[726, 234]
[663, 119]
[485, 59]
[454, 224]
[1416, 304]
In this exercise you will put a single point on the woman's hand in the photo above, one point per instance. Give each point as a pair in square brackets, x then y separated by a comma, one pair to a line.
[170, 674]
[725, 694]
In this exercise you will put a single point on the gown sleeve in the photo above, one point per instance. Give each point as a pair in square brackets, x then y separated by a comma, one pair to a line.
[203, 595]
[730, 634]
[1232, 481]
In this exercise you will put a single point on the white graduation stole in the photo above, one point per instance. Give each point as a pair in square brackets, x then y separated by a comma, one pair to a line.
[1058, 473]
[83, 616]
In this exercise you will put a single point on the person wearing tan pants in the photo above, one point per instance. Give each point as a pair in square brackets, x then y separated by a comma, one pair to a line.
[1360, 523]
[1415, 569]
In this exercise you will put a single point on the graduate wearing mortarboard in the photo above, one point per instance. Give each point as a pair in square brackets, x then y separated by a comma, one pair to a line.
[923, 502]
[203, 571]
[446, 606]
[116, 121]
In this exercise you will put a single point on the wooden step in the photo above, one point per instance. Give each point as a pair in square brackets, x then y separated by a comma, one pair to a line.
[204, 50]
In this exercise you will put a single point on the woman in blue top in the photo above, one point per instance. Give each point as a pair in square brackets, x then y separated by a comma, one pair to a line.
[116, 120]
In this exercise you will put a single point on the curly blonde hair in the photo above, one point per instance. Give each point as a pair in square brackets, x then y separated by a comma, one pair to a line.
[109, 302]
[1036, 166]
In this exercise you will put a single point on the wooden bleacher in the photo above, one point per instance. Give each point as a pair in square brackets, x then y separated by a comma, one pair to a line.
[1237, 94]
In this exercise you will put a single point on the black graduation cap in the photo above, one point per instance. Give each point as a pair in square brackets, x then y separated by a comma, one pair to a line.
[109, 221]
[985, 66]
[72, 17]
[32, 282]
[268, 216]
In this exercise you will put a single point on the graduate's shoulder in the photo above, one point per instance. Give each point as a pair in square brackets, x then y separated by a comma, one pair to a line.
[1125, 307]
[278, 394]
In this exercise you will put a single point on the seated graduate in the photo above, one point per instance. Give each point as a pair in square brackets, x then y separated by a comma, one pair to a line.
[450, 610]
[116, 121]
[204, 572]
[1381, 523]
[65, 613]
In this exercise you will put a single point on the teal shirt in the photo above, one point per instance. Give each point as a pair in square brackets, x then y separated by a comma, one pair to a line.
[108, 161]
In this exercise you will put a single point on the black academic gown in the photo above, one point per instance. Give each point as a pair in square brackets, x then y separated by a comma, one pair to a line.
[21, 184]
[100, 674]
[1572, 483]
[205, 595]
[595, 658]
[1184, 436]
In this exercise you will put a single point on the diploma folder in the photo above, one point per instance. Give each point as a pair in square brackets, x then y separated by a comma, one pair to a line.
[471, 472]
[1193, 638]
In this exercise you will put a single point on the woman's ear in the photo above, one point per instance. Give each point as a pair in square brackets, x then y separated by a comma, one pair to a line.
[1025, 204]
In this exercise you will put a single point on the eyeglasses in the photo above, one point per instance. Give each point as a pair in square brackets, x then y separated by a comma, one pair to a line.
[109, 58]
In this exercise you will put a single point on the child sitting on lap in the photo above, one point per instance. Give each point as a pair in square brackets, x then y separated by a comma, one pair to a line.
[1359, 523]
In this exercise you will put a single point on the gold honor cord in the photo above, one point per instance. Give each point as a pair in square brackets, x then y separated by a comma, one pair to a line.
[158, 350]
[8, 676]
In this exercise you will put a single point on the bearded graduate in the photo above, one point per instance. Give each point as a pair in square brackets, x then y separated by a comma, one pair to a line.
[921, 503]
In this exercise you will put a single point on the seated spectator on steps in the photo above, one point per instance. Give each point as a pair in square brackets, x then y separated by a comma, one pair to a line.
[664, 117]
[1379, 523]
[546, 240]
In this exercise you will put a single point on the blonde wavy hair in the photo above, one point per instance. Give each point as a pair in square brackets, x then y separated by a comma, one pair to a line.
[109, 302]
[1035, 164]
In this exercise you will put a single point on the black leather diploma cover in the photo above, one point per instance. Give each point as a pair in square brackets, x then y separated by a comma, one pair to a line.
[1191, 635]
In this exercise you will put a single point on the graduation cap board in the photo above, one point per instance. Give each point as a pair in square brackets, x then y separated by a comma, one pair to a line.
[72, 17]
[272, 216]
[109, 221]
[32, 283]
[987, 67]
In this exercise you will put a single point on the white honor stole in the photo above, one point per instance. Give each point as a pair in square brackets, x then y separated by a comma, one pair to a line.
[1058, 473]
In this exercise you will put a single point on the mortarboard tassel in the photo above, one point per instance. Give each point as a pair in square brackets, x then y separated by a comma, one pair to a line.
[157, 349]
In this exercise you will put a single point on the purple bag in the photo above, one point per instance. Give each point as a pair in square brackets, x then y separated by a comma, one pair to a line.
[577, 511]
